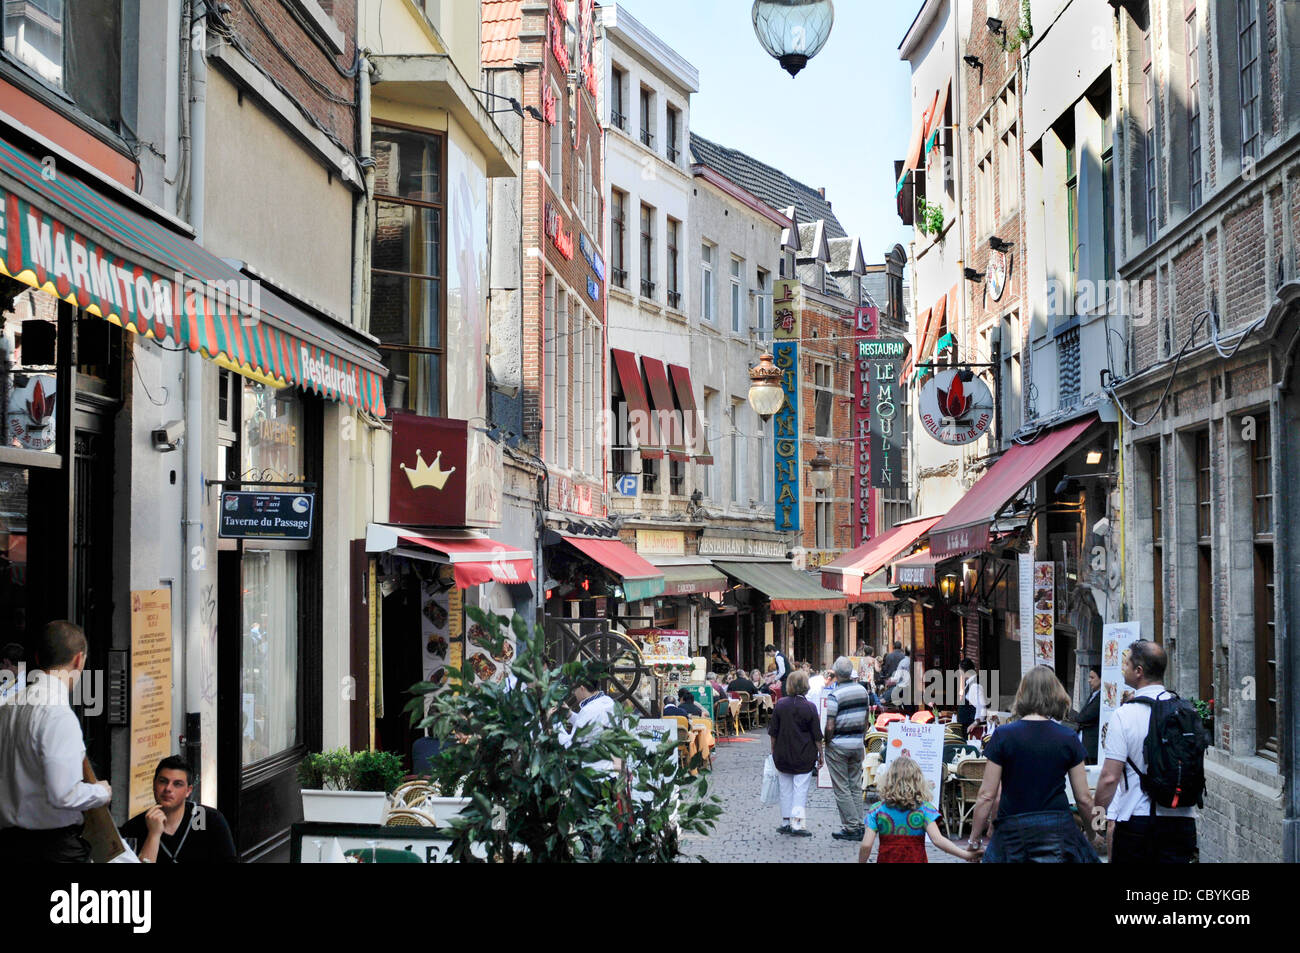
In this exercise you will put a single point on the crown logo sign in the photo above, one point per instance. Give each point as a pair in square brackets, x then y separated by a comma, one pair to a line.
[424, 475]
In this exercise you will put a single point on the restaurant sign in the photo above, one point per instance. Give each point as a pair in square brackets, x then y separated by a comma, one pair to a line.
[560, 236]
[785, 353]
[440, 475]
[712, 544]
[956, 407]
[867, 326]
[247, 515]
[661, 542]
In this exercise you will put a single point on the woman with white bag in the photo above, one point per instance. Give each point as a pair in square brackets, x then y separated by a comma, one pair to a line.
[796, 735]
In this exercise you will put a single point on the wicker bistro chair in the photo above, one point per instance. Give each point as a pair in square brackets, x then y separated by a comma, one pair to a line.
[969, 779]
[748, 710]
[874, 742]
[412, 794]
[406, 817]
[722, 716]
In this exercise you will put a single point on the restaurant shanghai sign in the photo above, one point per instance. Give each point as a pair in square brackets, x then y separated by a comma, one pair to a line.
[785, 354]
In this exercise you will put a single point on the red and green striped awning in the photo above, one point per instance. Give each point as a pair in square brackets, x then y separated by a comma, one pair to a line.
[63, 237]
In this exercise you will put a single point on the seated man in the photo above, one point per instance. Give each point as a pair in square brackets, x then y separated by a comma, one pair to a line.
[686, 706]
[742, 684]
[175, 830]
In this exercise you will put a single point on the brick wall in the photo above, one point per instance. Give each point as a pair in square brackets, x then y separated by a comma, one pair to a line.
[825, 337]
[1244, 248]
[283, 48]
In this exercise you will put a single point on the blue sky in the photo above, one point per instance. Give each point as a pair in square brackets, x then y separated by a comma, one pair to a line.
[840, 123]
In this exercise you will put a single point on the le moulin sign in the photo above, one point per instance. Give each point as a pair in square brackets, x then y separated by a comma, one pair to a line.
[876, 406]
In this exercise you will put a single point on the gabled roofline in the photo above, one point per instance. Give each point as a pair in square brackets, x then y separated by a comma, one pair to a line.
[741, 195]
[792, 214]
[924, 19]
[627, 28]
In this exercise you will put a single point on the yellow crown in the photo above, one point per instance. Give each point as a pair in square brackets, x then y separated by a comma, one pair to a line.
[424, 475]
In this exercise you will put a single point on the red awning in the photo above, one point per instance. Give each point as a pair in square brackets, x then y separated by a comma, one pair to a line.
[916, 571]
[847, 573]
[696, 439]
[667, 415]
[966, 527]
[917, 144]
[475, 559]
[640, 421]
[640, 579]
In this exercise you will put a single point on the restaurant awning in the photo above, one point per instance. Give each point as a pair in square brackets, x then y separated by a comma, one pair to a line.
[788, 590]
[696, 440]
[640, 421]
[917, 144]
[66, 238]
[936, 118]
[965, 529]
[847, 573]
[640, 579]
[689, 580]
[475, 558]
[666, 414]
[875, 589]
[916, 571]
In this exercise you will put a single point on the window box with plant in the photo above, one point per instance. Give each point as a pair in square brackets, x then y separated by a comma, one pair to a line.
[345, 787]
[929, 217]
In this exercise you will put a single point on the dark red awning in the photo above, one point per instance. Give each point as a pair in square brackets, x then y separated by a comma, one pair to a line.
[640, 579]
[667, 416]
[696, 439]
[640, 420]
[847, 573]
[966, 527]
[474, 559]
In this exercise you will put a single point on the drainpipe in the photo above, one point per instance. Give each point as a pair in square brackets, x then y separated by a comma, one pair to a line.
[361, 211]
[197, 42]
[959, 115]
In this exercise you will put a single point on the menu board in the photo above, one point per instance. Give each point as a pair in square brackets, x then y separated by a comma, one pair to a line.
[1116, 637]
[151, 691]
[487, 665]
[440, 628]
[923, 743]
[1044, 606]
[1026, 612]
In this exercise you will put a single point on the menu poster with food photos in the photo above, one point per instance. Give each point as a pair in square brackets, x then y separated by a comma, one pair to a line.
[1026, 612]
[1045, 614]
[440, 614]
[1116, 637]
[488, 666]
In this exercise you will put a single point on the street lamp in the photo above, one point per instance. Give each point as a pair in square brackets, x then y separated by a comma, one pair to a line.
[793, 31]
[765, 392]
[948, 587]
[820, 471]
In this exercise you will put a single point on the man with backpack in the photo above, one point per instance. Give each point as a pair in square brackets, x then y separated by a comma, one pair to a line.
[1154, 770]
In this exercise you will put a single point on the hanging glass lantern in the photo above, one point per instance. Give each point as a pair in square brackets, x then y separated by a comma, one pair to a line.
[820, 472]
[766, 395]
[793, 31]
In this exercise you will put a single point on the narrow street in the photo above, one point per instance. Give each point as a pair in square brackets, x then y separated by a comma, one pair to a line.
[746, 831]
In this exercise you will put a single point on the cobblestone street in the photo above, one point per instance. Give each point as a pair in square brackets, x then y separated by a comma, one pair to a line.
[746, 831]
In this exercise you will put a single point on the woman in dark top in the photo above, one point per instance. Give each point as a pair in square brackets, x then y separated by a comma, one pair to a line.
[1029, 761]
[795, 730]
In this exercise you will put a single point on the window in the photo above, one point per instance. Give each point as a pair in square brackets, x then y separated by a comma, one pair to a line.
[1068, 368]
[739, 320]
[706, 284]
[676, 478]
[551, 345]
[824, 530]
[737, 456]
[406, 312]
[984, 177]
[1072, 217]
[562, 332]
[765, 464]
[764, 301]
[674, 292]
[822, 383]
[76, 47]
[1108, 212]
[674, 126]
[1204, 569]
[556, 166]
[1192, 42]
[1009, 385]
[1265, 621]
[617, 107]
[1158, 544]
[649, 475]
[647, 252]
[618, 238]
[647, 118]
[712, 431]
[1009, 153]
[1150, 142]
[622, 457]
[1248, 63]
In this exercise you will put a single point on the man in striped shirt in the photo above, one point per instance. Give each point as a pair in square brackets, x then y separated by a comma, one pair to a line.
[847, 707]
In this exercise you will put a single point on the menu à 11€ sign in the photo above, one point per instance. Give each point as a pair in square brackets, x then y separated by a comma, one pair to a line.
[151, 691]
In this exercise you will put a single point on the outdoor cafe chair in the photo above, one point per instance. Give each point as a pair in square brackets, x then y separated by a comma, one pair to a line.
[412, 794]
[722, 716]
[407, 817]
[970, 777]
[874, 742]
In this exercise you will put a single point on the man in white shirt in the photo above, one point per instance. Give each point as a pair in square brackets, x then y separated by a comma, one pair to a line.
[1170, 836]
[42, 794]
[594, 708]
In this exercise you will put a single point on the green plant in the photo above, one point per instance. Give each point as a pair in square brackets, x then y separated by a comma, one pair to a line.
[1203, 708]
[377, 771]
[929, 217]
[311, 772]
[1024, 31]
[532, 792]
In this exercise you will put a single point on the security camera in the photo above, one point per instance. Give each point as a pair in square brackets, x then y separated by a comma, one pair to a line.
[1101, 527]
[168, 436]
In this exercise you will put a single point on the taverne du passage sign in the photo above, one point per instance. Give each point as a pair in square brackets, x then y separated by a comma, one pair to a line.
[249, 515]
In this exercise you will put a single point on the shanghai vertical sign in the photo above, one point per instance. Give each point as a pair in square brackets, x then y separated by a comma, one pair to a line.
[785, 354]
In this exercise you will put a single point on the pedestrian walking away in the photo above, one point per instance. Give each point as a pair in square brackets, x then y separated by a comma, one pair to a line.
[42, 794]
[904, 817]
[1029, 762]
[1150, 825]
[796, 737]
[847, 706]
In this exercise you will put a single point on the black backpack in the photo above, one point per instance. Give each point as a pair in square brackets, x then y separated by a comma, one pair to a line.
[1175, 754]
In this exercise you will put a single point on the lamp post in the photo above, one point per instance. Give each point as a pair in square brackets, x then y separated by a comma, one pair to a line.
[793, 31]
[765, 392]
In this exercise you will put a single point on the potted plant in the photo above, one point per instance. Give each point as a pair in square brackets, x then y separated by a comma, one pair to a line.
[343, 787]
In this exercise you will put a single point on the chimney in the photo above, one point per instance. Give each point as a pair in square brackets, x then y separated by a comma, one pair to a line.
[822, 192]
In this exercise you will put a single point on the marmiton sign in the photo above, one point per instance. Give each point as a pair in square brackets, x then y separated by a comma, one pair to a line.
[956, 411]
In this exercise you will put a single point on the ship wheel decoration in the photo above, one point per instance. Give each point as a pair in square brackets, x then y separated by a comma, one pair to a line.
[621, 661]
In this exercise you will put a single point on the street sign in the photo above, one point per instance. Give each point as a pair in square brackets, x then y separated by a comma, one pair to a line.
[627, 484]
[248, 515]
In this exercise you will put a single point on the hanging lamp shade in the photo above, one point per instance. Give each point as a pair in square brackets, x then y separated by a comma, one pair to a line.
[793, 31]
